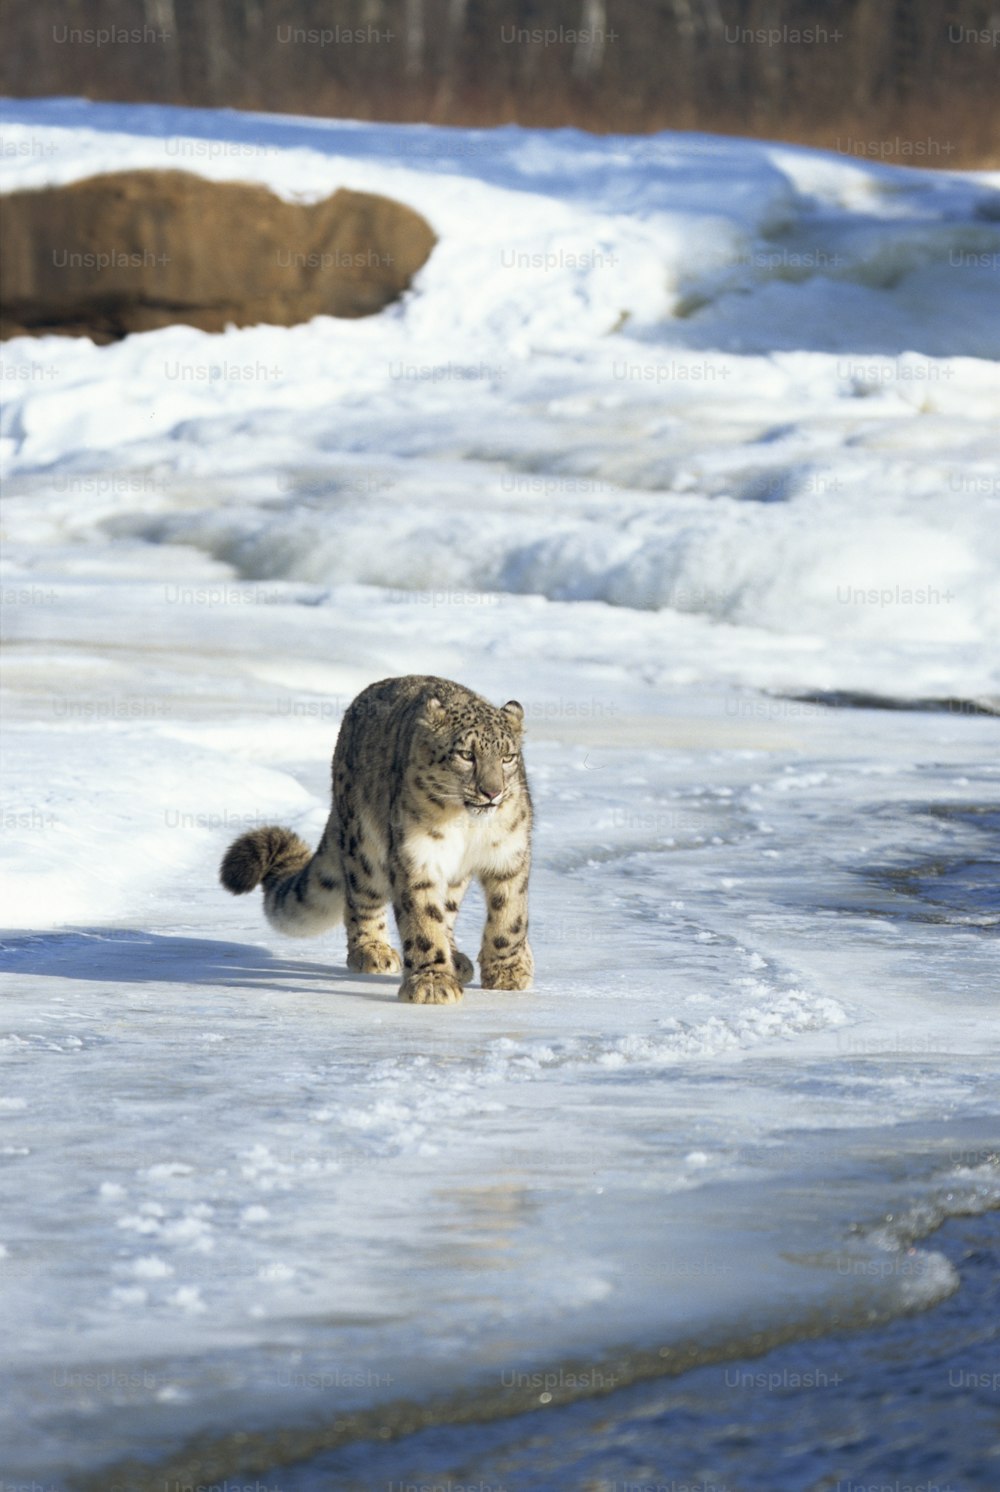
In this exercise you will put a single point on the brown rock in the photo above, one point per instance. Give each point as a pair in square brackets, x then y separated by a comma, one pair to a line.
[143, 249]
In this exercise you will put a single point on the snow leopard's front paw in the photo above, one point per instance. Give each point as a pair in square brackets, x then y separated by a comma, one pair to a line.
[430, 987]
[464, 967]
[373, 958]
[513, 972]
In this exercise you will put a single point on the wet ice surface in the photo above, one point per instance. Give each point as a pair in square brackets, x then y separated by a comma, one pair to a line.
[910, 1404]
[239, 1175]
[245, 1191]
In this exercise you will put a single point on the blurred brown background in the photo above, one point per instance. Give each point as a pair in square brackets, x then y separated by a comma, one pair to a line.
[910, 81]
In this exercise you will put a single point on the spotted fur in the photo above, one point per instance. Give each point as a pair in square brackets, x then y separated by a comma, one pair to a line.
[429, 790]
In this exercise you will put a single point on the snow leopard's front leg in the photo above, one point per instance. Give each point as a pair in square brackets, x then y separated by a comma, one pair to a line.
[429, 972]
[505, 959]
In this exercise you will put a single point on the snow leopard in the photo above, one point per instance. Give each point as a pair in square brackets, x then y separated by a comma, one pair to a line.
[429, 790]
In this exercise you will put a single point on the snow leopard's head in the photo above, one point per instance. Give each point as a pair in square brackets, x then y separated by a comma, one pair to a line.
[474, 750]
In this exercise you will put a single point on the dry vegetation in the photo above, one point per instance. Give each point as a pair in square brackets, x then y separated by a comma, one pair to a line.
[136, 250]
[911, 81]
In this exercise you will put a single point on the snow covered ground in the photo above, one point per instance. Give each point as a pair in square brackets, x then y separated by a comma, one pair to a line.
[686, 443]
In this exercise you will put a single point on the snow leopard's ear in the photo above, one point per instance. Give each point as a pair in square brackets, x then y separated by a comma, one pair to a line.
[515, 715]
[434, 715]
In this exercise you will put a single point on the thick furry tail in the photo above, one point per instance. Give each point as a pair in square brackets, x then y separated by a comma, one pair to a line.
[303, 892]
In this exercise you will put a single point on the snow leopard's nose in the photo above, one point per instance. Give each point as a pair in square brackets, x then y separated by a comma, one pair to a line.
[489, 792]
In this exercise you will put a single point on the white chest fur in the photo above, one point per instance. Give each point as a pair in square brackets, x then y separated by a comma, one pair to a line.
[471, 844]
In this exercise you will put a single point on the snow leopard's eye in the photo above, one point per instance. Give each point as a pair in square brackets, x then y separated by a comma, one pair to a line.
[510, 757]
[464, 756]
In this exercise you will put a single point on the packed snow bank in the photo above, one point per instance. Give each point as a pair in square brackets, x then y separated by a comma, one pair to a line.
[623, 376]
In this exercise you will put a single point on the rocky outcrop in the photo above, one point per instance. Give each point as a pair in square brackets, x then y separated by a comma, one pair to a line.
[142, 249]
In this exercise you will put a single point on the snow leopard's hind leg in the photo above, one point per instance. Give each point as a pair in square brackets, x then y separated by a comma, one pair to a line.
[464, 967]
[367, 893]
